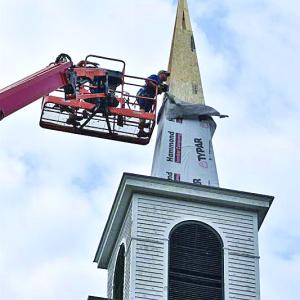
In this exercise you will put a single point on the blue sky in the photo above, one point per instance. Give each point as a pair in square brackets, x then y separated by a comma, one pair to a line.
[57, 189]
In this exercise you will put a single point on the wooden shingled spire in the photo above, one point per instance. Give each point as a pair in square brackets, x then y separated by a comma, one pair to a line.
[185, 81]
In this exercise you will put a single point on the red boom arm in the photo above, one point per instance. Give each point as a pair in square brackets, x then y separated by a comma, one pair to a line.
[31, 88]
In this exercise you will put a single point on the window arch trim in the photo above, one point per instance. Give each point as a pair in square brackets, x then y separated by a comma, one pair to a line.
[214, 226]
[185, 276]
[119, 270]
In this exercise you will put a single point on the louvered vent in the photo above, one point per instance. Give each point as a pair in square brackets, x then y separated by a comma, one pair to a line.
[195, 263]
[119, 275]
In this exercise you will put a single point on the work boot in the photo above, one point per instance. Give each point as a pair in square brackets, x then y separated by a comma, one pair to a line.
[143, 125]
[73, 120]
[79, 118]
[120, 121]
[70, 97]
[142, 134]
[85, 114]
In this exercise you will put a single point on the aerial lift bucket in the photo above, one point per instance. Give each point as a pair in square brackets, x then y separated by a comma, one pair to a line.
[100, 108]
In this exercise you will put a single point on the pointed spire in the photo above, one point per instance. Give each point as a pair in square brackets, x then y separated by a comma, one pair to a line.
[185, 81]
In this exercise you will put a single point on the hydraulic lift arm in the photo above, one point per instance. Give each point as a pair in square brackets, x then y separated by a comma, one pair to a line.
[33, 87]
[85, 99]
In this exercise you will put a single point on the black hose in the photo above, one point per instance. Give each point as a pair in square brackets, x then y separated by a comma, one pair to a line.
[63, 58]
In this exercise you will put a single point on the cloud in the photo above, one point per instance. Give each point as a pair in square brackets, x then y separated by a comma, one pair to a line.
[57, 188]
[255, 80]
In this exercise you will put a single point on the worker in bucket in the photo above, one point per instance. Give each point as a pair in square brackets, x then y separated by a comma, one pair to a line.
[149, 90]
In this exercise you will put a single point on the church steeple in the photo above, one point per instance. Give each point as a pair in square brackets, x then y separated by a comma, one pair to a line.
[184, 149]
[185, 81]
[184, 237]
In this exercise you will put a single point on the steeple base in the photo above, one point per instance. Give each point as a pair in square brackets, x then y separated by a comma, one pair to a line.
[184, 150]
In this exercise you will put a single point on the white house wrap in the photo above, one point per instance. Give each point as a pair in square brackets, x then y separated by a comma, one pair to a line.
[184, 150]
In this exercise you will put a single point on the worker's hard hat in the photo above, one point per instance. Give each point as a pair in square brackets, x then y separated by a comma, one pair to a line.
[164, 72]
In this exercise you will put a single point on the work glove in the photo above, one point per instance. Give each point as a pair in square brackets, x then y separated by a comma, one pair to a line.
[163, 88]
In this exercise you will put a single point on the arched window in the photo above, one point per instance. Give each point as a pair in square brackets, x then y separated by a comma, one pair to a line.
[195, 263]
[119, 275]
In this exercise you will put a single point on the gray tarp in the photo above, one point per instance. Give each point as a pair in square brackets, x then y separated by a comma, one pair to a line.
[174, 108]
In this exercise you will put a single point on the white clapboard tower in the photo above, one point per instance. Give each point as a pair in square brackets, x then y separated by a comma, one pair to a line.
[171, 238]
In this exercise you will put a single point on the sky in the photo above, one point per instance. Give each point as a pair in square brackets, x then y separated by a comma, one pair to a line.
[57, 188]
